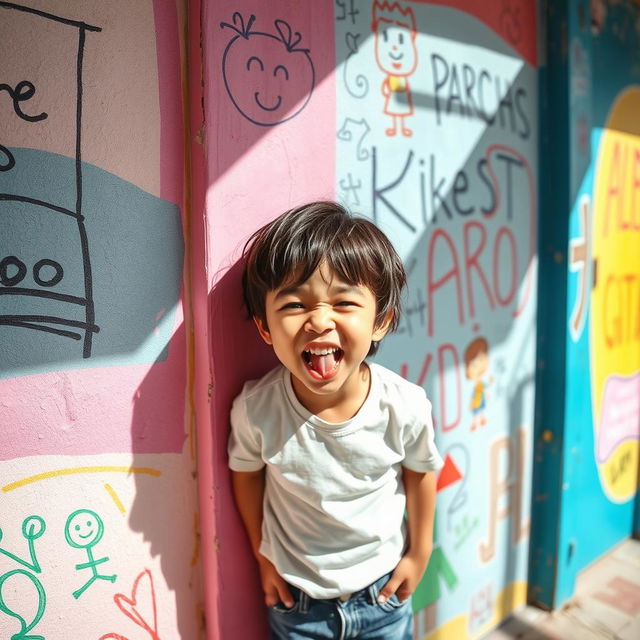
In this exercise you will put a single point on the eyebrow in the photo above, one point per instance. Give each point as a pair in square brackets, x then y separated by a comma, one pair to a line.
[339, 289]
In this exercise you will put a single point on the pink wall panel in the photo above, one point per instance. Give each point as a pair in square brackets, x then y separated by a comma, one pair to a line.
[259, 162]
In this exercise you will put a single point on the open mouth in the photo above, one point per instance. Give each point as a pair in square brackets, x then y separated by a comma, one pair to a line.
[322, 362]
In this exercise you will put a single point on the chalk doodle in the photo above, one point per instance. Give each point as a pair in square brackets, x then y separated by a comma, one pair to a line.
[397, 56]
[361, 82]
[269, 78]
[349, 131]
[83, 530]
[142, 592]
[350, 189]
[32, 528]
[39, 282]
[114, 496]
[57, 473]
[481, 608]
[25, 627]
[351, 11]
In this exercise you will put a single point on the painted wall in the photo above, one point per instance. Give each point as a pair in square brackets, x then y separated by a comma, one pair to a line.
[602, 404]
[587, 411]
[454, 187]
[97, 499]
[453, 183]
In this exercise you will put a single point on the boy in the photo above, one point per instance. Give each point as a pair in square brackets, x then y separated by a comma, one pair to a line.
[325, 448]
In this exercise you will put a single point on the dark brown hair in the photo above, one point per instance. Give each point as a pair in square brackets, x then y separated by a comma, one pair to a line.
[289, 249]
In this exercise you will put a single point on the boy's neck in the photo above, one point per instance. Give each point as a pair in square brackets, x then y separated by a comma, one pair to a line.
[339, 407]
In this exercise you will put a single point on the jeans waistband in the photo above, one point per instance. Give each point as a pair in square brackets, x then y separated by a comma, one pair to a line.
[371, 592]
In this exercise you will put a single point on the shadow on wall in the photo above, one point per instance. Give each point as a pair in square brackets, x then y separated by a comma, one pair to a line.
[239, 354]
[74, 301]
[165, 508]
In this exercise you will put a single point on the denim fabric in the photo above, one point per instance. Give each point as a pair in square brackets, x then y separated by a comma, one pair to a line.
[360, 617]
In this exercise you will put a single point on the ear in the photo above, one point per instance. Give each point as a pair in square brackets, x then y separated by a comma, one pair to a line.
[380, 331]
[263, 330]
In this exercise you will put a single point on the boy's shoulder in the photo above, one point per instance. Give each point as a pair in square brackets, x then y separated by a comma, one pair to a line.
[264, 386]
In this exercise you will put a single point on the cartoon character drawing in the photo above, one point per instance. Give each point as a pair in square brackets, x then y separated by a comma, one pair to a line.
[83, 530]
[397, 56]
[268, 77]
[476, 362]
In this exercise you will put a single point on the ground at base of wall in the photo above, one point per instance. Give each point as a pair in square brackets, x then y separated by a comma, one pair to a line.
[606, 605]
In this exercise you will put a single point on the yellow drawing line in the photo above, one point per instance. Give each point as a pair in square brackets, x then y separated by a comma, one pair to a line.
[75, 470]
[114, 497]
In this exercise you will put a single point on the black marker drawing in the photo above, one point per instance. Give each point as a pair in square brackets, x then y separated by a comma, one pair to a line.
[361, 82]
[23, 277]
[8, 161]
[269, 78]
[352, 12]
[351, 128]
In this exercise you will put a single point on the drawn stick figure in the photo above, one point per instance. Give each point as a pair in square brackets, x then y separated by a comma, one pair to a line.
[396, 53]
[84, 529]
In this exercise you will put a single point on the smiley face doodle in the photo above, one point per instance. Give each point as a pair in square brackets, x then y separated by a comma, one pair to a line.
[268, 77]
[83, 530]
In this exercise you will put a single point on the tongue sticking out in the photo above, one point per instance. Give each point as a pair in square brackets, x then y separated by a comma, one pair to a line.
[323, 365]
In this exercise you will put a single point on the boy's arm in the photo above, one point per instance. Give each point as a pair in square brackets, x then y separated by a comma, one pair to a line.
[420, 489]
[248, 490]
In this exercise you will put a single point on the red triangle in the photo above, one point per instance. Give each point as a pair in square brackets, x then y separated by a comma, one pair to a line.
[449, 474]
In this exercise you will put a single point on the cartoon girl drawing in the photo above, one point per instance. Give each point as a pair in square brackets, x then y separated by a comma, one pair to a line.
[397, 56]
[476, 361]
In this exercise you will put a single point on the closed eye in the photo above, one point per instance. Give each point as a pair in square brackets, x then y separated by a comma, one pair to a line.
[292, 305]
[257, 60]
[346, 303]
[283, 69]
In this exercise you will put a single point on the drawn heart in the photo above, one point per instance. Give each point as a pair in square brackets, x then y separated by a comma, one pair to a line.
[142, 599]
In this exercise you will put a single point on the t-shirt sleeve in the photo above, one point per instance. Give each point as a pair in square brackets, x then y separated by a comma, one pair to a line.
[244, 440]
[421, 453]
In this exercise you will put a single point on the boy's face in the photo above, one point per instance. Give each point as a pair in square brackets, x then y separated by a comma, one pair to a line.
[321, 331]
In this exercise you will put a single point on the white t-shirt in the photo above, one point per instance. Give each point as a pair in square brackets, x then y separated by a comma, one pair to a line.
[334, 500]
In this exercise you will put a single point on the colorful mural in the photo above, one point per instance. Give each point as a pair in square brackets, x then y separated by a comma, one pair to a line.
[602, 402]
[436, 141]
[96, 471]
[614, 332]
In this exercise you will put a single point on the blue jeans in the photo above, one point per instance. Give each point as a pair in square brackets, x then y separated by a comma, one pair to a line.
[360, 617]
